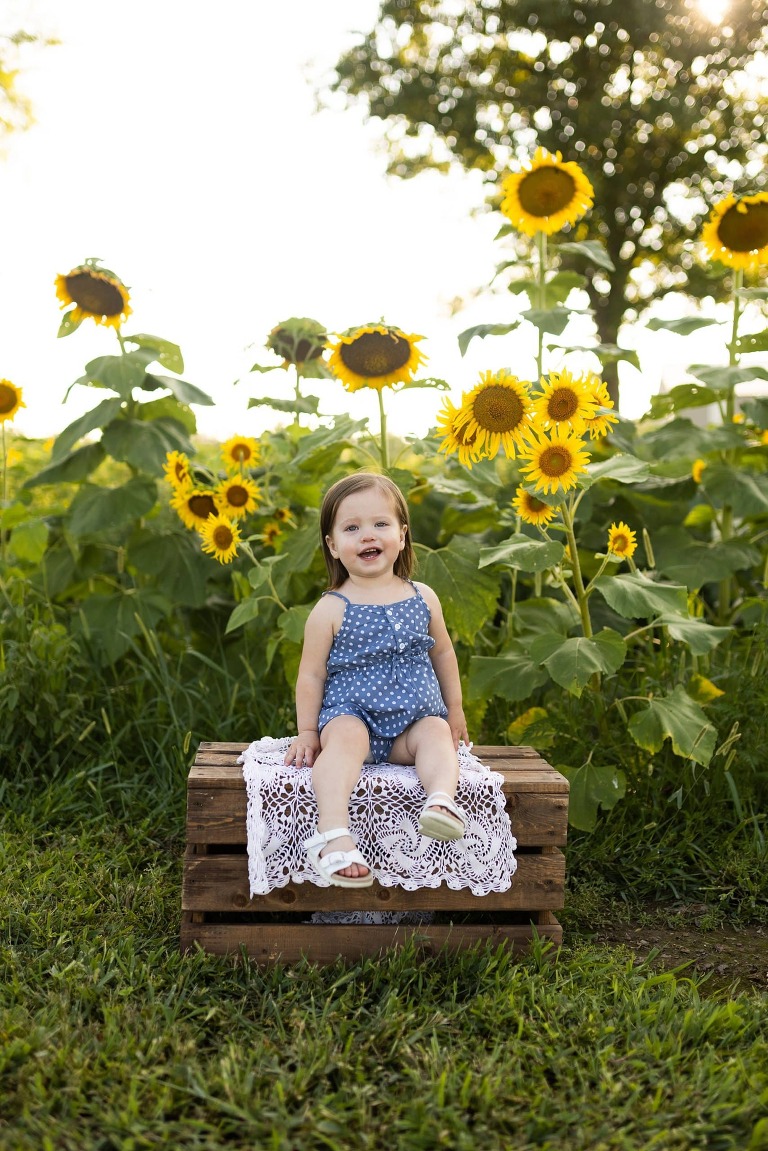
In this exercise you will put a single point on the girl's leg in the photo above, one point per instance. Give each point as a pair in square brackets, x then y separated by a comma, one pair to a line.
[344, 745]
[428, 745]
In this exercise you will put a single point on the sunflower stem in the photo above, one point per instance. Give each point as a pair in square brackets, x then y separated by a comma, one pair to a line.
[5, 494]
[578, 582]
[383, 450]
[541, 271]
[297, 396]
[725, 590]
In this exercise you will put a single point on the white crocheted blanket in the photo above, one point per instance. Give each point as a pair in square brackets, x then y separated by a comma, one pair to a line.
[384, 815]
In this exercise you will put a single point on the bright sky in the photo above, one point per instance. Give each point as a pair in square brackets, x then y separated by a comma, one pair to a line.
[177, 141]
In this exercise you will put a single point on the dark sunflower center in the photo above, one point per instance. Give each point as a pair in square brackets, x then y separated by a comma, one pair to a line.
[7, 399]
[375, 354]
[202, 506]
[498, 409]
[745, 230]
[237, 496]
[93, 294]
[535, 506]
[181, 471]
[563, 404]
[222, 537]
[240, 453]
[464, 437]
[620, 543]
[546, 191]
[554, 461]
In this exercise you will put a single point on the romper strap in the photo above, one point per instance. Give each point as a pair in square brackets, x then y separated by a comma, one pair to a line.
[338, 593]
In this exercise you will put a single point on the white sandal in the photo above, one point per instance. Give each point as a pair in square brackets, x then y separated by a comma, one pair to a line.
[438, 825]
[328, 865]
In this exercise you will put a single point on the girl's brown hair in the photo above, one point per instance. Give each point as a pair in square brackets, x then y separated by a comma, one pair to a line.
[359, 482]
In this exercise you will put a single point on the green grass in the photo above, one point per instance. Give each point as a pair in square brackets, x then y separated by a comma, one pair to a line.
[110, 1039]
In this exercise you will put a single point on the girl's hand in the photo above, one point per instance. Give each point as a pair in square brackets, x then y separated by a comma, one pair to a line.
[458, 726]
[303, 749]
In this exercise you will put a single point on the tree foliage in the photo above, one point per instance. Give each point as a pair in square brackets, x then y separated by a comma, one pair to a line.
[663, 109]
[15, 106]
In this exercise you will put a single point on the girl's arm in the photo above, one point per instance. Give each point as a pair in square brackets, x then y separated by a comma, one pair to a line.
[446, 666]
[319, 631]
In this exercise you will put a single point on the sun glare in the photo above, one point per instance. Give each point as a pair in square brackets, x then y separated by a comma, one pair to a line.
[714, 10]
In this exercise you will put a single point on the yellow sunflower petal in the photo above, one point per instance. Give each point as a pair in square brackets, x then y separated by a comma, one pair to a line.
[194, 505]
[497, 413]
[177, 470]
[240, 452]
[622, 541]
[555, 460]
[97, 294]
[220, 537]
[736, 232]
[374, 356]
[236, 496]
[453, 425]
[532, 510]
[548, 194]
[10, 400]
[563, 401]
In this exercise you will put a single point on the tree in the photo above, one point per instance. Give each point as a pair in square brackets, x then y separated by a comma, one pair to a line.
[663, 109]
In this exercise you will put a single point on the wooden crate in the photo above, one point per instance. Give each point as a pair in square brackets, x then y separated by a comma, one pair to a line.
[219, 916]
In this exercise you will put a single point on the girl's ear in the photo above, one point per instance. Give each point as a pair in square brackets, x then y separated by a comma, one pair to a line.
[335, 554]
[403, 530]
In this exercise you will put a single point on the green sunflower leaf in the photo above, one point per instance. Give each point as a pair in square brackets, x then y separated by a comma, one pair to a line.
[745, 492]
[166, 353]
[111, 622]
[429, 382]
[681, 397]
[573, 662]
[98, 417]
[523, 553]
[178, 567]
[184, 392]
[244, 613]
[304, 405]
[29, 540]
[513, 676]
[696, 634]
[480, 331]
[695, 562]
[144, 445]
[678, 718]
[73, 469]
[592, 787]
[591, 250]
[68, 325]
[623, 468]
[682, 326]
[726, 377]
[551, 320]
[636, 597]
[119, 374]
[95, 510]
[468, 596]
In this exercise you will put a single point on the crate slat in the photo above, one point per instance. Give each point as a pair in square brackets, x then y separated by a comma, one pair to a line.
[325, 943]
[220, 883]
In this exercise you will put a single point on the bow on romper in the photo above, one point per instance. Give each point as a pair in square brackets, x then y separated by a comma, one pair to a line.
[380, 671]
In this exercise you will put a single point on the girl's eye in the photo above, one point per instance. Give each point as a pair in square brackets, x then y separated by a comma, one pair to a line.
[351, 528]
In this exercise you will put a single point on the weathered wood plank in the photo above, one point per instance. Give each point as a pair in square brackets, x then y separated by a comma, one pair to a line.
[217, 815]
[325, 943]
[220, 883]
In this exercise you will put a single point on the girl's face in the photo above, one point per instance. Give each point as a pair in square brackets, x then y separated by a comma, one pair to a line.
[367, 535]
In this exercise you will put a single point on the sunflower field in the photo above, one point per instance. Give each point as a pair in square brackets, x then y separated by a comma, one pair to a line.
[604, 580]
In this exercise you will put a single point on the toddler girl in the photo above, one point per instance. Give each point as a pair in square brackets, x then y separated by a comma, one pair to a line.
[378, 680]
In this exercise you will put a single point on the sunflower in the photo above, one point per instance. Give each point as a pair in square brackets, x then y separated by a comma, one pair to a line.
[547, 195]
[599, 423]
[555, 460]
[454, 427]
[498, 413]
[736, 232]
[563, 402]
[532, 510]
[176, 469]
[374, 356]
[622, 541]
[10, 400]
[97, 294]
[697, 470]
[220, 538]
[284, 516]
[270, 533]
[298, 340]
[194, 505]
[236, 496]
[239, 452]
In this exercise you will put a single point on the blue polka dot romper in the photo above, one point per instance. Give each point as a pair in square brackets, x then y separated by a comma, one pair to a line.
[380, 671]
